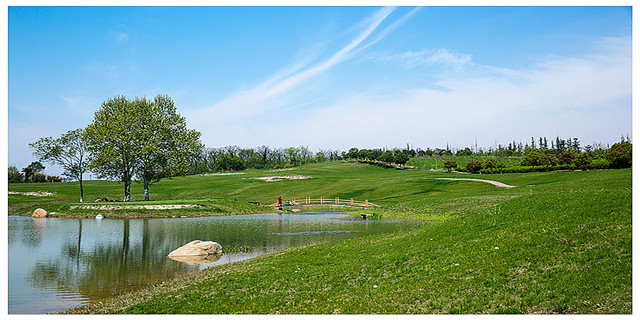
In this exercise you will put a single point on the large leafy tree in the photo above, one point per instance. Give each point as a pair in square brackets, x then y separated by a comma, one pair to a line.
[113, 138]
[168, 146]
[141, 138]
[69, 151]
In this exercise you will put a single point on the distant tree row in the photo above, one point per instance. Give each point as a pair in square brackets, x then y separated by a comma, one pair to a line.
[518, 149]
[618, 156]
[234, 158]
[542, 145]
[30, 173]
[398, 156]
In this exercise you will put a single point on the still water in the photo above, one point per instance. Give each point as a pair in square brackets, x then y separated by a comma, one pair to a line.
[57, 264]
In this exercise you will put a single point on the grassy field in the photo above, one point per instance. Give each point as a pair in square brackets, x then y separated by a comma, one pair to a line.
[560, 242]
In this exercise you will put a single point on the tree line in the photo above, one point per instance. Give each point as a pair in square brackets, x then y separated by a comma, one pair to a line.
[31, 173]
[234, 158]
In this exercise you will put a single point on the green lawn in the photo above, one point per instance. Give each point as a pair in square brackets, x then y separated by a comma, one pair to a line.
[560, 242]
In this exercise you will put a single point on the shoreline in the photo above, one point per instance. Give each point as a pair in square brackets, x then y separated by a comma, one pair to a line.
[147, 213]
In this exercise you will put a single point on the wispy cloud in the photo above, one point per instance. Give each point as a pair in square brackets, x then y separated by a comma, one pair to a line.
[120, 36]
[275, 91]
[442, 56]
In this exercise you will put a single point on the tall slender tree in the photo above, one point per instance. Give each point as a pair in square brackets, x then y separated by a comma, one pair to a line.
[70, 152]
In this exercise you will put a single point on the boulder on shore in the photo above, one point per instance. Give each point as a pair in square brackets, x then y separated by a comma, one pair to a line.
[39, 213]
[197, 248]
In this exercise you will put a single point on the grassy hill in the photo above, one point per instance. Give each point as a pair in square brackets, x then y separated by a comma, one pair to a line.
[559, 242]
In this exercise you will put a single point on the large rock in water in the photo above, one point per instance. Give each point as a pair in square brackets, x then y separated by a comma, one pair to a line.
[197, 260]
[197, 248]
[39, 213]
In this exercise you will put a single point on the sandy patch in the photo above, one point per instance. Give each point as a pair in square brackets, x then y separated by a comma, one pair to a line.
[222, 174]
[278, 170]
[35, 194]
[150, 206]
[279, 178]
[495, 183]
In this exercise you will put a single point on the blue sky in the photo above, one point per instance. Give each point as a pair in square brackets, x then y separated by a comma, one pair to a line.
[328, 77]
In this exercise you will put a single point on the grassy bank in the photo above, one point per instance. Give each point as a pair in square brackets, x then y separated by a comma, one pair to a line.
[560, 242]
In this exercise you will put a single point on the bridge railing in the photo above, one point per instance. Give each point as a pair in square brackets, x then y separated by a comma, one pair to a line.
[326, 201]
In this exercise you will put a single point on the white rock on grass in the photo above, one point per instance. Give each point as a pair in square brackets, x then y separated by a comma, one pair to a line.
[40, 213]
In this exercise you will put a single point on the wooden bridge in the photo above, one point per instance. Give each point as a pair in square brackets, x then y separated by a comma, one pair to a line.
[307, 201]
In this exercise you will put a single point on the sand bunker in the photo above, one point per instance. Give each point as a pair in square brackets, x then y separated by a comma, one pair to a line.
[222, 174]
[279, 178]
[35, 194]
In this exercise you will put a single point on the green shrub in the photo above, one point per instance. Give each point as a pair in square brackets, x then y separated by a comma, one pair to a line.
[474, 166]
[620, 155]
[583, 160]
[38, 177]
[450, 164]
[565, 158]
[599, 163]
[54, 179]
[15, 175]
[531, 159]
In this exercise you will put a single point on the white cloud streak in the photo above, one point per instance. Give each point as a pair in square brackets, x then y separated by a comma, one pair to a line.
[429, 57]
[274, 92]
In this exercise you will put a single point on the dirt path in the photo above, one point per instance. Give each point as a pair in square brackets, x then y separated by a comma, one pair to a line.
[495, 183]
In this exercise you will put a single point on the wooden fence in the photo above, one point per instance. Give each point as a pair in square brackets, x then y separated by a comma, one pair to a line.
[307, 201]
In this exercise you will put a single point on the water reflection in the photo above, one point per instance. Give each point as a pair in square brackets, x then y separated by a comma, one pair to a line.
[55, 264]
[197, 260]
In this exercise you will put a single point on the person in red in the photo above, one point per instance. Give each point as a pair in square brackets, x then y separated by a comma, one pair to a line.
[279, 201]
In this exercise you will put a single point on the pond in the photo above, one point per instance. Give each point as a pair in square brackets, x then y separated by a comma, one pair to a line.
[57, 264]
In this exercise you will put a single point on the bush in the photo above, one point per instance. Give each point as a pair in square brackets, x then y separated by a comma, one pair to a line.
[38, 177]
[599, 163]
[474, 166]
[548, 159]
[492, 163]
[620, 155]
[15, 175]
[531, 159]
[565, 158]
[583, 160]
[54, 179]
[450, 164]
